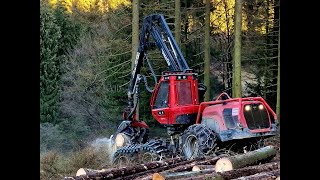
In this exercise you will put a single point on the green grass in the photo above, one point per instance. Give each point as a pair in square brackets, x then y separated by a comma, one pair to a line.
[57, 166]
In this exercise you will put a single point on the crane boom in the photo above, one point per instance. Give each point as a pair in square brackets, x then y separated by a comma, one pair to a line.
[156, 26]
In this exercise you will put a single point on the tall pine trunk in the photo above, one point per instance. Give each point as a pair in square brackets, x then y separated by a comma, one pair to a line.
[207, 51]
[236, 87]
[177, 22]
[135, 37]
[228, 59]
[278, 79]
[275, 43]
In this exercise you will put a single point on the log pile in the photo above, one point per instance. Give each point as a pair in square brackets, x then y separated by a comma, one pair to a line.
[252, 165]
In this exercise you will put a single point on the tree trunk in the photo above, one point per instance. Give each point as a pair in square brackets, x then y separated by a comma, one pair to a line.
[201, 177]
[182, 166]
[207, 51]
[278, 79]
[189, 166]
[263, 175]
[269, 49]
[125, 171]
[149, 173]
[179, 175]
[85, 171]
[135, 39]
[247, 171]
[228, 57]
[177, 22]
[236, 92]
[250, 158]
[276, 27]
[202, 167]
[244, 173]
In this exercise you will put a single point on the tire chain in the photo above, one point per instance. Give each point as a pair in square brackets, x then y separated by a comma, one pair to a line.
[155, 147]
[207, 137]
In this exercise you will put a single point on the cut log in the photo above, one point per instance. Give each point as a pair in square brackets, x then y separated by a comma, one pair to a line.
[271, 175]
[189, 166]
[179, 175]
[202, 167]
[200, 177]
[243, 160]
[181, 166]
[159, 169]
[120, 141]
[84, 171]
[247, 171]
[124, 171]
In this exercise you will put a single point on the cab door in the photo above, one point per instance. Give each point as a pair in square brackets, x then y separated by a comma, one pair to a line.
[160, 106]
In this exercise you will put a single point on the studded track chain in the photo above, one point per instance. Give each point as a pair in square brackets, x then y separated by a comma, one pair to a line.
[206, 140]
[136, 153]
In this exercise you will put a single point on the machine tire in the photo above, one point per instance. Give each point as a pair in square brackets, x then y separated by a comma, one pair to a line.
[197, 140]
[154, 150]
[126, 155]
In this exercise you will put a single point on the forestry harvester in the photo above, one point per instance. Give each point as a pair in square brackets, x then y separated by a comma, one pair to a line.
[194, 127]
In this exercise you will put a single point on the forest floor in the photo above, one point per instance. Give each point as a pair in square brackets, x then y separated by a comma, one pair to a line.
[271, 168]
[54, 165]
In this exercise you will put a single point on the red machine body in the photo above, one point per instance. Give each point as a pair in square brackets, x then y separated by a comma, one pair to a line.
[176, 101]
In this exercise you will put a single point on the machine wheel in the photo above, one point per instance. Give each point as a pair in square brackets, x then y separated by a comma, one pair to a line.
[126, 155]
[153, 150]
[121, 160]
[197, 140]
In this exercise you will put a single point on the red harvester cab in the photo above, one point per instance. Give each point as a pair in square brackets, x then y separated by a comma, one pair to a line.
[175, 101]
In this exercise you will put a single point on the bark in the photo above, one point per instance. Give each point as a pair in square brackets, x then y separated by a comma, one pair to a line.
[271, 169]
[247, 171]
[148, 173]
[202, 167]
[177, 21]
[182, 166]
[85, 171]
[243, 160]
[263, 175]
[189, 166]
[201, 177]
[236, 92]
[179, 175]
[135, 38]
[125, 171]
[278, 79]
[207, 51]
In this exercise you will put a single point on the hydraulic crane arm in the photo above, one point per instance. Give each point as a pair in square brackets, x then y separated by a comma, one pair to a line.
[156, 26]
